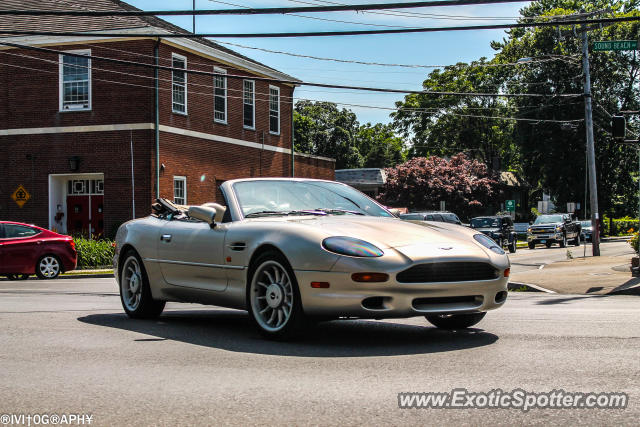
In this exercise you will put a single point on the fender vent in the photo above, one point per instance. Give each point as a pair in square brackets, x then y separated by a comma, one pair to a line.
[238, 246]
[439, 272]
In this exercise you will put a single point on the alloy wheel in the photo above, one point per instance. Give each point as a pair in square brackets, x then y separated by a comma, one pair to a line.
[49, 267]
[131, 284]
[271, 295]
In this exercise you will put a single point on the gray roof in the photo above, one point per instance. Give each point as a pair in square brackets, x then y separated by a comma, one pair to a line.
[366, 176]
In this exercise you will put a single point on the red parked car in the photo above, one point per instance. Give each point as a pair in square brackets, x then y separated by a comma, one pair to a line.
[26, 249]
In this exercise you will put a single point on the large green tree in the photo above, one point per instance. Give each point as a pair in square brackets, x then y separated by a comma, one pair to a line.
[321, 128]
[544, 136]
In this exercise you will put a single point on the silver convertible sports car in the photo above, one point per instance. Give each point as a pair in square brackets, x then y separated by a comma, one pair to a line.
[292, 251]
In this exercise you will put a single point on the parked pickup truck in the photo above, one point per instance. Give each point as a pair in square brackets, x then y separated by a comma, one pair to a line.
[553, 228]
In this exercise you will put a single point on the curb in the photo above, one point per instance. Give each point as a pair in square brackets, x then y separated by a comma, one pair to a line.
[86, 275]
[528, 287]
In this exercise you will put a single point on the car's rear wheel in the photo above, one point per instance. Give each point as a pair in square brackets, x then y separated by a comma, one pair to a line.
[532, 245]
[273, 298]
[512, 246]
[455, 321]
[135, 293]
[48, 267]
[576, 242]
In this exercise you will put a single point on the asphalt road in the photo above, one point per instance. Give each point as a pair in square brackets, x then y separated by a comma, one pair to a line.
[527, 259]
[67, 347]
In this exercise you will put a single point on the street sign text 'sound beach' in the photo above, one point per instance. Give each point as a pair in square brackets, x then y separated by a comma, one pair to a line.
[615, 45]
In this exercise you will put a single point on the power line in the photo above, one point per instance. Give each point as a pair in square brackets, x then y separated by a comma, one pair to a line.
[333, 33]
[263, 96]
[290, 82]
[257, 11]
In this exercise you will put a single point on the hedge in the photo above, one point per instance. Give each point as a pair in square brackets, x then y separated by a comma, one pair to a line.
[626, 225]
[94, 253]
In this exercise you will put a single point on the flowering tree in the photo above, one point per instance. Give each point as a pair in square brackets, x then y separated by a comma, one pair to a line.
[421, 183]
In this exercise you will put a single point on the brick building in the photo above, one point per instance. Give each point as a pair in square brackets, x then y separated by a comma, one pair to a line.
[81, 136]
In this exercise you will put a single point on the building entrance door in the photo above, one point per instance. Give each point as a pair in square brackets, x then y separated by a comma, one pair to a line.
[85, 207]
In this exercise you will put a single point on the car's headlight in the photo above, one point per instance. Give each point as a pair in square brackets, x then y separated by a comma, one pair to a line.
[351, 246]
[558, 228]
[529, 230]
[488, 243]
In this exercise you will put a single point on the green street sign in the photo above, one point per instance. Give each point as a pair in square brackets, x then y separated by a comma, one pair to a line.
[615, 45]
[511, 205]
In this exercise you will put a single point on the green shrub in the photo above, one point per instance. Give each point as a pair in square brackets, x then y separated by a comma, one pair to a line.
[634, 242]
[621, 226]
[94, 253]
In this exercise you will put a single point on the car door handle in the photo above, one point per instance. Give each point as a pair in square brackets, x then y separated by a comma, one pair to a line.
[166, 237]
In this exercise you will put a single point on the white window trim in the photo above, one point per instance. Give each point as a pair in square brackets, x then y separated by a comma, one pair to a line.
[61, 81]
[184, 58]
[278, 90]
[253, 100]
[226, 112]
[184, 183]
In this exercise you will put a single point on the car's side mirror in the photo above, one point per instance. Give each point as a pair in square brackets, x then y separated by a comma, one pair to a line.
[530, 222]
[209, 213]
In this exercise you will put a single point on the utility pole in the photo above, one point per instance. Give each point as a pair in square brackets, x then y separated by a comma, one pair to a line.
[591, 156]
[194, 17]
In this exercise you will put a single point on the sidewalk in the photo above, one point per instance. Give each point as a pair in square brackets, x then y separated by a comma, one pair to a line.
[591, 275]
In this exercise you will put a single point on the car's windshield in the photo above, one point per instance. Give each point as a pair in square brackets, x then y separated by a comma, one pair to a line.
[585, 224]
[485, 222]
[283, 197]
[548, 219]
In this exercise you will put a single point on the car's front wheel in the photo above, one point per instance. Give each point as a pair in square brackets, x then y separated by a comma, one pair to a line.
[135, 292]
[563, 242]
[17, 276]
[273, 298]
[455, 321]
[576, 242]
[48, 267]
[532, 245]
[512, 246]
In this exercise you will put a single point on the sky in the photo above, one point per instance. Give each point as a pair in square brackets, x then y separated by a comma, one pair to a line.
[439, 48]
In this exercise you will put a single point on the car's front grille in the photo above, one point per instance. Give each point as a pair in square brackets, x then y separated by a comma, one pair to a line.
[542, 230]
[448, 272]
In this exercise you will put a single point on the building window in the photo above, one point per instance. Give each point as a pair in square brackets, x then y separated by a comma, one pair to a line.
[220, 96]
[274, 110]
[75, 81]
[180, 190]
[179, 84]
[249, 104]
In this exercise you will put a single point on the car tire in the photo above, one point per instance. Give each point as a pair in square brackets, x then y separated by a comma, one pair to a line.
[532, 246]
[48, 267]
[135, 292]
[576, 242]
[512, 246]
[455, 321]
[273, 298]
[563, 242]
[548, 244]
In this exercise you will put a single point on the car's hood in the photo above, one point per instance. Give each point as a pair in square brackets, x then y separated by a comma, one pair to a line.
[548, 224]
[388, 232]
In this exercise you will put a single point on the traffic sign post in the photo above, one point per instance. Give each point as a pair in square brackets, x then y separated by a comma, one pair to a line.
[615, 45]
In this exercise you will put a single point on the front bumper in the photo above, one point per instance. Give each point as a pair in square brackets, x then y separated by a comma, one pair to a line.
[544, 237]
[346, 298]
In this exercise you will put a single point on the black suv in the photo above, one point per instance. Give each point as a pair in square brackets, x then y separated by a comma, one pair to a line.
[499, 228]
[440, 216]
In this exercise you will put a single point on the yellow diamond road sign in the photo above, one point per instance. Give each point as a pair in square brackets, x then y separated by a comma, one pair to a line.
[20, 196]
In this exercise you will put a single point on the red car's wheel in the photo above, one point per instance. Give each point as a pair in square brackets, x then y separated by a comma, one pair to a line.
[48, 267]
